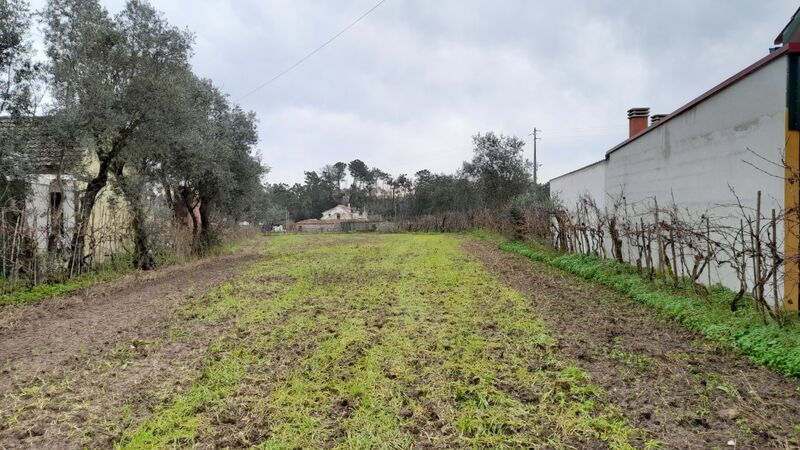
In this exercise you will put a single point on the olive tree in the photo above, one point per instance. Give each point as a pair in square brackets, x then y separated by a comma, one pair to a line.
[20, 75]
[20, 83]
[499, 168]
[207, 162]
[107, 78]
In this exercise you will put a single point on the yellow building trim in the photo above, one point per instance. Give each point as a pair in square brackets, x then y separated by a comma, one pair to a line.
[791, 244]
[108, 231]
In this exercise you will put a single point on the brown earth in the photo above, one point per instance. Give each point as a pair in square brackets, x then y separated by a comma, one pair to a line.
[687, 391]
[74, 369]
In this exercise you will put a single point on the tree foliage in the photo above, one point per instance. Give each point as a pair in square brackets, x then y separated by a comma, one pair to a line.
[496, 176]
[124, 83]
[20, 76]
[20, 86]
[498, 168]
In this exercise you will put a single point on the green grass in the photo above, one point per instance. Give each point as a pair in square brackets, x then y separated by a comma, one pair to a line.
[743, 330]
[24, 293]
[18, 293]
[486, 235]
[379, 341]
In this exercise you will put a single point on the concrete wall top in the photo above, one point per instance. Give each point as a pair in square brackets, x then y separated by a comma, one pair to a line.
[589, 180]
[699, 156]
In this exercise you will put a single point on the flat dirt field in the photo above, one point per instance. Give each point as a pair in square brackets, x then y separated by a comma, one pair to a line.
[374, 341]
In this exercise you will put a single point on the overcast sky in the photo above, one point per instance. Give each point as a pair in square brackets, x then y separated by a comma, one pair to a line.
[406, 88]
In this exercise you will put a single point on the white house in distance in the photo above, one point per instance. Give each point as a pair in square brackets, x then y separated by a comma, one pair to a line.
[338, 218]
[343, 212]
[705, 149]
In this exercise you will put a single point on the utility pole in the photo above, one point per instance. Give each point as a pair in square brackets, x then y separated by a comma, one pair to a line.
[536, 137]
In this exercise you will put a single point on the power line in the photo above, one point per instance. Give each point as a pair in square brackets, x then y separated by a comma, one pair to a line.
[312, 53]
[563, 137]
[581, 130]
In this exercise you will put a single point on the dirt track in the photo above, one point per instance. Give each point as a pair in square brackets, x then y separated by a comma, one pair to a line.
[57, 355]
[688, 392]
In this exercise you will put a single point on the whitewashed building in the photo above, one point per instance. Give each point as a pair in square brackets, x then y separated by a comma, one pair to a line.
[343, 212]
[55, 170]
[338, 218]
[53, 188]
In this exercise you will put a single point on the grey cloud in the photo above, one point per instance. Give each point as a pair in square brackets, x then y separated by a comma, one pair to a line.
[407, 87]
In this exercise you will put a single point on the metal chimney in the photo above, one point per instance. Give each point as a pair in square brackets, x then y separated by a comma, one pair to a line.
[657, 118]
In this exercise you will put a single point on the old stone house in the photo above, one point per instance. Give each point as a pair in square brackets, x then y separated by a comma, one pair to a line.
[54, 176]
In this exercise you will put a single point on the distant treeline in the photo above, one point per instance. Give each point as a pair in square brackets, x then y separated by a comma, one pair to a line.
[497, 176]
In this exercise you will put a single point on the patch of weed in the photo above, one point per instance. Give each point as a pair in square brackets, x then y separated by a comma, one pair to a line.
[26, 294]
[768, 344]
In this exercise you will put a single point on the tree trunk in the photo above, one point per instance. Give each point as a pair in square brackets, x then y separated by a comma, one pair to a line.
[205, 224]
[89, 199]
[142, 256]
[188, 201]
[78, 244]
[168, 196]
[206, 236]
[195, 221]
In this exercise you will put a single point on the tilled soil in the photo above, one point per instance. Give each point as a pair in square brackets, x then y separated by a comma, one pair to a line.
[69, 365]
[78, 371]
[688, 392]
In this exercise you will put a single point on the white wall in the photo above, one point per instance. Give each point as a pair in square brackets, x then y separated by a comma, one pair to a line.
[695, 156]
[344, 213]
[589, 180]
[38, 206]
[698, 157]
